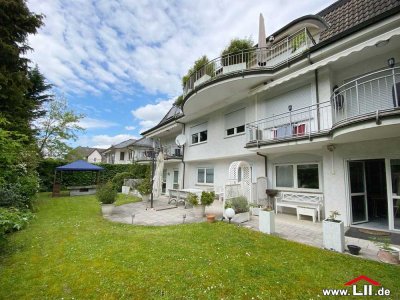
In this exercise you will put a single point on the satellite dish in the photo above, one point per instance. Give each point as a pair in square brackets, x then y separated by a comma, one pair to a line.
[180, 140]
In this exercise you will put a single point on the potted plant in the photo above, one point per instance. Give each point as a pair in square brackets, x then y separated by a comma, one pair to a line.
[107, 195]
[241, 208]
[144, 188]
[266, 221]
[386, 252]
[198, 209]
[255, 209]
[207, 198]
[333, 232]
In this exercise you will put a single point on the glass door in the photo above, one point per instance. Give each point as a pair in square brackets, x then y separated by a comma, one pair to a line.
[164, 182]
[395, 176]
[175, 182]
[358, 192]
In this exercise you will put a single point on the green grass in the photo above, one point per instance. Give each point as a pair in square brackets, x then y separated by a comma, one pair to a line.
[69, 251]
[125, 199]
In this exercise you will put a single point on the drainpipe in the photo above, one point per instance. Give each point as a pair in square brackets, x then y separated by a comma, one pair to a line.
[317, 99]
[265, 163]
[183, 156]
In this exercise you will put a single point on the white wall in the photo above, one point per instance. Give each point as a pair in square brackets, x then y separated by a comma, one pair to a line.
[126, 156]
[94, 157]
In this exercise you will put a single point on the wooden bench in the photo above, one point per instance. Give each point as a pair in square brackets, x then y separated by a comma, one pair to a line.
[295, 200]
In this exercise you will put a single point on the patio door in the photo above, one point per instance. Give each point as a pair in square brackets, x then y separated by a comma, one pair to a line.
[394, 192]
[176, 180]
[358, 192]
[164, 182]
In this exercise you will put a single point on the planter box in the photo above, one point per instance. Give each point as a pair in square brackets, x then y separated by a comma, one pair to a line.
[107, 209]
[234, 68]
[266, 222]
[241, 217]
[199, 211]
[125, 190]
[333, 235]
[201, 80]
[255, 211]
[145, 198]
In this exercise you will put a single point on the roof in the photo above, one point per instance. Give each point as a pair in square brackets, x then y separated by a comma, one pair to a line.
[347, 14]
[86, 151]
[79, 165]
[124, 144]
[144, 142]
[174, 113]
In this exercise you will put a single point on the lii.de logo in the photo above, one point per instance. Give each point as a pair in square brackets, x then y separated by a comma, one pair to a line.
[366, 289]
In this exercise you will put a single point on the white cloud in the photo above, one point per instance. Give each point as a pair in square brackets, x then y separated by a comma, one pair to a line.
[115, 45]
[90, 123]
[130, 128]
[151, 114]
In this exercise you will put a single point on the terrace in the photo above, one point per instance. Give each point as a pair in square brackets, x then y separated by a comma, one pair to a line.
[373, 96]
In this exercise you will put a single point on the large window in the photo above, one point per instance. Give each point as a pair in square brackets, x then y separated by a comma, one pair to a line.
[205, 175]
[199, 133]
[122, 156]
[234, 122]
[298, 176]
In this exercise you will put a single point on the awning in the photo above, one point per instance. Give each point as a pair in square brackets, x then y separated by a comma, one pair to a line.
[79, 165]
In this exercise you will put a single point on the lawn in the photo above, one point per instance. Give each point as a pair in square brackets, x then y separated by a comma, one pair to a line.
[69, 251]
[125, 199]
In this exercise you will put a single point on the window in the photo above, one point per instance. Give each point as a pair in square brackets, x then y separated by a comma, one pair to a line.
[130, 155]
[94, 159]
[298, 176]
[205, 175]
[234, 122]
[199, 133]
[122, 156]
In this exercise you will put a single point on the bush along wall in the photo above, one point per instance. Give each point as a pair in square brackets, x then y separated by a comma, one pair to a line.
[47, 167]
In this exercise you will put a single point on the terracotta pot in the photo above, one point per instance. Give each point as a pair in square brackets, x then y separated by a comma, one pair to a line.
[210, 218]
[389, 256]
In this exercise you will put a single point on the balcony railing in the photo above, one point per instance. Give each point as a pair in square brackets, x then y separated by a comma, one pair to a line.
[170, 152]
[252, 59]
[368, 96]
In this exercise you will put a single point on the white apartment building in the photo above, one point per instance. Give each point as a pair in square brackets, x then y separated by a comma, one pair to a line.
[316, 111]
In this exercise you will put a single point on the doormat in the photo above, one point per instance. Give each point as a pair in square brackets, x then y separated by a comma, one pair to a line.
[366, 234]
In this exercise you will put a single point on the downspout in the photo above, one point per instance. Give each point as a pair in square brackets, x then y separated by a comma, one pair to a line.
[265, 163]
[183, 156]
[317, 99]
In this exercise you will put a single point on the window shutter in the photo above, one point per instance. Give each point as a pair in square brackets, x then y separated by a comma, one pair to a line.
[235, 119]
[198, 128]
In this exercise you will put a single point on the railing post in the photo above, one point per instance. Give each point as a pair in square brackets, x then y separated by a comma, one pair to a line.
[242, 57]
[358, 102]
[396, 101]
[309, 122]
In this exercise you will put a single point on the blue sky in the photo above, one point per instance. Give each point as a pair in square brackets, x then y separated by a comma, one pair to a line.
[119, 62]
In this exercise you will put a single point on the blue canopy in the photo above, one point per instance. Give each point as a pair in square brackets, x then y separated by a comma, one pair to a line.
[79, 165]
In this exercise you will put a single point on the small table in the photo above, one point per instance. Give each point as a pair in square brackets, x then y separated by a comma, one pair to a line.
[306, 211]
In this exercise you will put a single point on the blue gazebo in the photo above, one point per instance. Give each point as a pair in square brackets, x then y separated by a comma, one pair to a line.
[77, 166]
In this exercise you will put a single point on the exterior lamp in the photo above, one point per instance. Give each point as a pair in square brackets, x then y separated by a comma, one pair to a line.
[184, 218]
[133, 217]
[391, 61]
[290, 107]
[230, 213]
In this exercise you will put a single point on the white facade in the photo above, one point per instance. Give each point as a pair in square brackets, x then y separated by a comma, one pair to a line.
[95, 157]
[347, 150]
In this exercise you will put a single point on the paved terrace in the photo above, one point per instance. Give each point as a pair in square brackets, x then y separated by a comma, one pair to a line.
[287, 226]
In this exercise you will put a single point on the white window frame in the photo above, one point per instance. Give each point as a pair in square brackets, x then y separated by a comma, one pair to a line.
[198, 134]
[205, 175]
[295, 187]
[235, 129]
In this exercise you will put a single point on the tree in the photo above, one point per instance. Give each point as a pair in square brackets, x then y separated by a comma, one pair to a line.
[21, 88]
[59, 125]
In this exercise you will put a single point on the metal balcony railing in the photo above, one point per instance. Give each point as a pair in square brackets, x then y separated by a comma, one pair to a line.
[170, 152]
[367, 96]
[252, 59]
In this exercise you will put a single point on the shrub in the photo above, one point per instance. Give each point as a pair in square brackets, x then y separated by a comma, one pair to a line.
[13, 219]
[198, 66]
[207, 198]
[118, 180]
[106, 193]
[193, 199]
[11, 196]
[237, 46]
[239, 204]
[144, 186]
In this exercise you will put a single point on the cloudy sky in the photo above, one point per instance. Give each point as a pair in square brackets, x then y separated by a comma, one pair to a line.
[119, 62]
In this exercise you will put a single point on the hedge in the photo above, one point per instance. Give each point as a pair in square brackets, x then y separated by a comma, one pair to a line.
[47, 167]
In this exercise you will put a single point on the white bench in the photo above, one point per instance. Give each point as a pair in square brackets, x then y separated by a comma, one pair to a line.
[295, 200]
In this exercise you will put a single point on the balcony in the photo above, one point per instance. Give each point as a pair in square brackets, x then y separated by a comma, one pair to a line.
[170, 151]
[255, 59]
[372, 96]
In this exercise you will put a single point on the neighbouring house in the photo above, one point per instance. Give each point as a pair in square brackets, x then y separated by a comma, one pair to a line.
[121, 153]
[91, 155]
[316, 112]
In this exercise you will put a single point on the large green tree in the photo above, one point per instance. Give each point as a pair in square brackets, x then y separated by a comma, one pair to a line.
[22, 89]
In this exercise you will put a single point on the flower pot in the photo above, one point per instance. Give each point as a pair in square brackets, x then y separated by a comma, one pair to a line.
[333, 235]
[210, 218]
[125, 190]
[145, 198]
[255, 211]
[199, 211]
[389, 256]
[266, 221]
[353, 249]
[107, 209]
[241, 217]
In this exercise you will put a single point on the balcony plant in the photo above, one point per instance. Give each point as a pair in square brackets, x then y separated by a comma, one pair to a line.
[333, 232]
[232, 54]
[298, 41]
[198, 208]
[241, 207]
[201, 71]
[386, 253]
